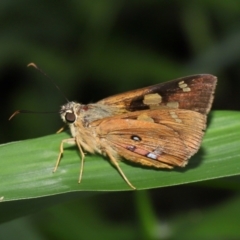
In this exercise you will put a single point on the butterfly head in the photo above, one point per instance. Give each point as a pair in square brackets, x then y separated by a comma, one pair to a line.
[69, 112]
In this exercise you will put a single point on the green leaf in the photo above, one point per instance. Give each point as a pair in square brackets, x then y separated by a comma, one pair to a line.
[26, 166]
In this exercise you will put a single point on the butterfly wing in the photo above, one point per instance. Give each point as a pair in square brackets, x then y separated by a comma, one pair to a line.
[193, 93]
[160, 138]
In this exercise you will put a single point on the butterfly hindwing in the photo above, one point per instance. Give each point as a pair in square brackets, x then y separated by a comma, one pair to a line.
[159, 138]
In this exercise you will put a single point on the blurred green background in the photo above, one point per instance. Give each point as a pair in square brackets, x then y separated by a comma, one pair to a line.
[93, 49]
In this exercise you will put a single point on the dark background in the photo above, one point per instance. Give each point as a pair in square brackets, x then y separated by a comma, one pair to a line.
[93, 49]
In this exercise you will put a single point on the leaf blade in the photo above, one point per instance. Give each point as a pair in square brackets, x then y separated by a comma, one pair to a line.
[26, 166]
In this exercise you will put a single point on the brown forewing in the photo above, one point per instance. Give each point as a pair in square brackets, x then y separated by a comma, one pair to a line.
[198, 99]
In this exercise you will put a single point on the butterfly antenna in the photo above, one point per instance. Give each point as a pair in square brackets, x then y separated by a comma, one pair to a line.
[27, 111]
[41, 71]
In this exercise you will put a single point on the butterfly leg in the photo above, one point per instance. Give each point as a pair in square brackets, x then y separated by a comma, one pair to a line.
[115, 163]
[68, 140]
[60, 130]
[82, 161]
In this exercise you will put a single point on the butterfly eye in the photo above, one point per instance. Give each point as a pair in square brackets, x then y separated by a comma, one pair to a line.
[70, 117]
